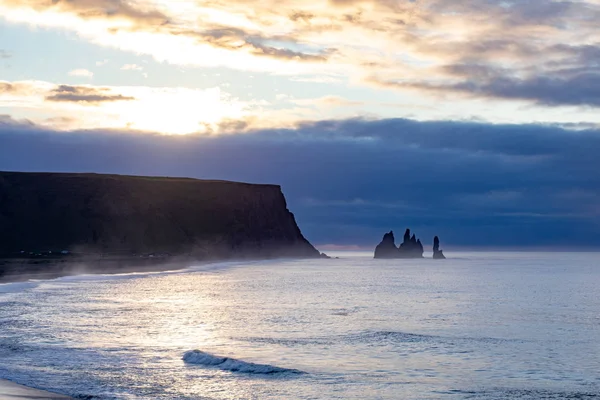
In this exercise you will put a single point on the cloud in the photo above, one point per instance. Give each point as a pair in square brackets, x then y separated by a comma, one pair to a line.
[238, 39]
[6, 87]
[169, 110]
[350, 181]
[4, 55]
[563, 88]
[132, 67]
[360, 38]
[463, 50]
[577, 89]
[328, 101]
[15, 94]
[95, 10]
[82, 73]
[101, 63]
[83, 94]
[318, 79]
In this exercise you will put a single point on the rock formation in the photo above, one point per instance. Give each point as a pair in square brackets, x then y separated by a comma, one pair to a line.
[437, 253]
[387, 248]
[411, 247]
[145, 216]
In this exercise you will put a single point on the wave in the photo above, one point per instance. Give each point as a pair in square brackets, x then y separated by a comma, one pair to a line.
[378, 338]
[383, 337]
[525, 394]
[289, 341]
[365, 337]
[375, 337]
[198, 357]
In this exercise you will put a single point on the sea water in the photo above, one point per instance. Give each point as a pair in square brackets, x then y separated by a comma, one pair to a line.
[475, 326]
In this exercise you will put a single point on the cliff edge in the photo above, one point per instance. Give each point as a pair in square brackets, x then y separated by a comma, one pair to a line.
[115, 215]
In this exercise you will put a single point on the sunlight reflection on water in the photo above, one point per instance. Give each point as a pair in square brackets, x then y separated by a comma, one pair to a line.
[481, 325]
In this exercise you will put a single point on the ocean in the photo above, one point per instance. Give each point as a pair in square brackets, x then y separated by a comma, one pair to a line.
[476, 326]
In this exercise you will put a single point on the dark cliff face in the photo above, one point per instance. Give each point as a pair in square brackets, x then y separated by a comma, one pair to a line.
[114, 214]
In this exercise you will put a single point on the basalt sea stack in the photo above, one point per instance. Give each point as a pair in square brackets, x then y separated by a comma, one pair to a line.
[437, 253]
[50, 213]
[411, 247]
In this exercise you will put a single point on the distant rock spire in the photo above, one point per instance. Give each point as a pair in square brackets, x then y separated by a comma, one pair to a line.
[437, 253]
[407, 235]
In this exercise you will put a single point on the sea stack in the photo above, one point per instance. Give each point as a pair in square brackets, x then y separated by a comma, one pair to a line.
[387, 248]
[437, 253]
[411, 247]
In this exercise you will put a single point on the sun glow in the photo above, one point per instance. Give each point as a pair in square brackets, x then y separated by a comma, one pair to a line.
[177, 110]
[164, 110]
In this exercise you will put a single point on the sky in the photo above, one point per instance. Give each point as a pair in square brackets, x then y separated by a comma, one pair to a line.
[476, 120]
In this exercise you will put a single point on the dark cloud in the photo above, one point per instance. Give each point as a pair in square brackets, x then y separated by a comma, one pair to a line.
[549, 13]
[515, 13]
[84, 94]
[569, 87]
[350, 181]
[580, 89]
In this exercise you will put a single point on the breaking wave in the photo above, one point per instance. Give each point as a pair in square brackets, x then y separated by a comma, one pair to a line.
[198, 357]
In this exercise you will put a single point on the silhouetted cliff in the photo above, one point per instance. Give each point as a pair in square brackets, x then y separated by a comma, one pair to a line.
[145, 216]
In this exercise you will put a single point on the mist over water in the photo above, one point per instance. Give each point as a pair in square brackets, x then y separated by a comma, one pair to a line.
[475, 326]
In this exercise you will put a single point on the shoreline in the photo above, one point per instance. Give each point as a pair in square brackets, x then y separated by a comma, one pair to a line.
[10, 390]
[16, 271]
[54, 271]
[13, 271]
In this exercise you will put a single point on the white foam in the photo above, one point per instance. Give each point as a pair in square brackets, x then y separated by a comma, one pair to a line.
[198, 357]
